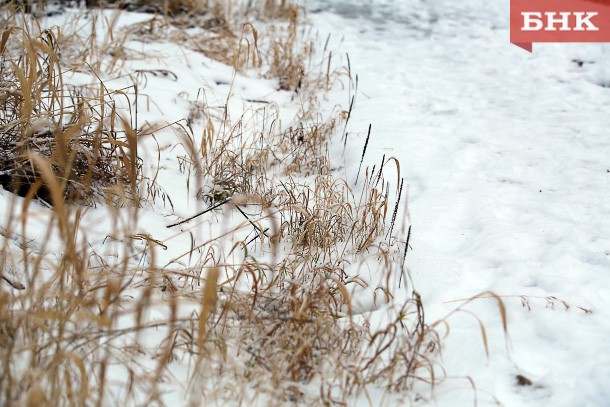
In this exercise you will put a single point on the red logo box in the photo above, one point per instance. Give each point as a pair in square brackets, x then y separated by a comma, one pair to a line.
[559, 21]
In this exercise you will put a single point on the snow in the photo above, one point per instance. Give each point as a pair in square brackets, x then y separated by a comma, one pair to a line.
[507, 159]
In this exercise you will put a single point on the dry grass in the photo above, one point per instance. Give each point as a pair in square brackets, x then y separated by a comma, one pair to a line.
[78, 132]
[265, 318]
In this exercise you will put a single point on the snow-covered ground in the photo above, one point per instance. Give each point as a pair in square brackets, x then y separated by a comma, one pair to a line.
[507, 159]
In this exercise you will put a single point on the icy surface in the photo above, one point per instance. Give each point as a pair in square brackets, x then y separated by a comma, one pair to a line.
[507, 159]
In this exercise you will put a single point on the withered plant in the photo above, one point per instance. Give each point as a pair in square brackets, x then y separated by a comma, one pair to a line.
[79, 132]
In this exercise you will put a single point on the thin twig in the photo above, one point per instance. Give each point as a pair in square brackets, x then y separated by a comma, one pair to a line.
[256, 237]
[200, 213]
[15, 284]
[252, 223]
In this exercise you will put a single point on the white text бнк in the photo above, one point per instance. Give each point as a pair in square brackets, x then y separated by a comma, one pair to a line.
[562, 21]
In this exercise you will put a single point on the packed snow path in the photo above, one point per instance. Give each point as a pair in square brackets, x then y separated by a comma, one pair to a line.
[507, 159]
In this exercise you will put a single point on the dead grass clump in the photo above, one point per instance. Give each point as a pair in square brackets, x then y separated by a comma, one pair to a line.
[248, 156]
[292, 333]
[83, 137]
[287, 57]
[288, 321]
[229, 35]
[238, 158]
[284, 323]
[399, 363]
[272, 9]
[162, 7]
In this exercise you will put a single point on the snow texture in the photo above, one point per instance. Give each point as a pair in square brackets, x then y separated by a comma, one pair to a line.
[507, 158]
